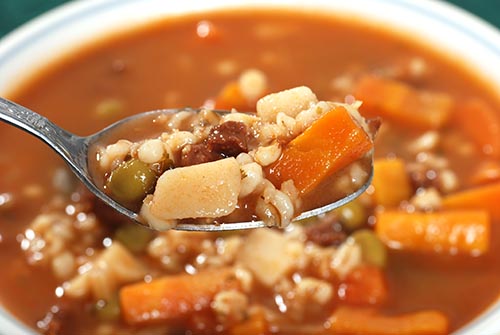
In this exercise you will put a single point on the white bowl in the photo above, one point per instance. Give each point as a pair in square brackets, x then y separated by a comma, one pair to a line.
[66, 28]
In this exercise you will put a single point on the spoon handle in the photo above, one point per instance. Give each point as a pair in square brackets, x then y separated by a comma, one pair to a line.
[71, 147]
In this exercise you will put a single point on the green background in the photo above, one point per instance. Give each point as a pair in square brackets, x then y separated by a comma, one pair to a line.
[15, 12]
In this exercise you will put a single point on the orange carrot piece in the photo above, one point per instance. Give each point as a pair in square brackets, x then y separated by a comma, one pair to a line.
[349, 320]
[364, 285]
[486, 172]
[231, 97]
[173, 297]
[461, 231]
[400, 103]
[328, 145]
[483, 197]
[391, 182]
[256, 324]
[481, 124]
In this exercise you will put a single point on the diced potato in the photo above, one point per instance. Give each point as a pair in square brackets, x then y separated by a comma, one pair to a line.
[204, 190]
[291, 102]
[267, 255]
[114, 267]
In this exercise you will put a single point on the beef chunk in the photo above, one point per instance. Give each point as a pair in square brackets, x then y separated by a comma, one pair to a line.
[229, 138]
[193, 154]
[327, 232]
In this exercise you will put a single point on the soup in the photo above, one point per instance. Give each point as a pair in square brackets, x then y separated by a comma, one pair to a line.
[274, 166]
[395, 260]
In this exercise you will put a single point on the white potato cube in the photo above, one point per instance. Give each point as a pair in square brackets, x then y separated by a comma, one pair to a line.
[266, 255]
[291, 102]
[204, 190]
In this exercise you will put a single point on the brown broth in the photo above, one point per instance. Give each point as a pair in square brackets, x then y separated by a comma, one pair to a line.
[167, 59]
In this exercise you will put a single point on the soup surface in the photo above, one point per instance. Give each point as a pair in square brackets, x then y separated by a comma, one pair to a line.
[414, 250]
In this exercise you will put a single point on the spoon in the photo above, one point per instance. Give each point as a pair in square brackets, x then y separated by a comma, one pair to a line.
[75, 151]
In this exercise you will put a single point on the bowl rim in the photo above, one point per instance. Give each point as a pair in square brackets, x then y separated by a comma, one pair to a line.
[457, 22]
[37, 31]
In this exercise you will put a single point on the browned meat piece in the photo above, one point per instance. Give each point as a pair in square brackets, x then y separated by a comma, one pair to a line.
[193, 154]
[328, 232]
[229, 138]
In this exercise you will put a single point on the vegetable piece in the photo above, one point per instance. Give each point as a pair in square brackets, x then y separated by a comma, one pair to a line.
[266, 254]
[402, 104]
[231, 97]
[131, 181]
[352, 215]
[256, 324]
[172, 297]
[110, 109]
[480, 123]
[482, 197]
[133, 236]
[486, 172]
[111, 268]
[290, 102]
[108, 310]
[243, 94]
[461, 231]
[373, 251]
[365, 285]
[348, 320]
[391, 182]
[328, 145]
[208, 190]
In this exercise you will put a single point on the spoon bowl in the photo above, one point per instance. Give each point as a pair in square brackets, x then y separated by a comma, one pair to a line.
[75, 150]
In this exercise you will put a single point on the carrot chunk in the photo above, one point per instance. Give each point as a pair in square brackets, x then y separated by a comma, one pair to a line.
[400, 103]
[482, 197]
[461, 231]
[386, 174]
[364, 285]
[349, 320]
[328, 145]
[173, 297]
[481, 124]
[256, 324]
[485, 173]
[231, 96]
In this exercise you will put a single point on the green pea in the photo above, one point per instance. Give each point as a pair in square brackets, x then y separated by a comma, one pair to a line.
[131, 181]
[108, 310]
[352, 215]
[373, 251]
[134, 237]
[109, 109]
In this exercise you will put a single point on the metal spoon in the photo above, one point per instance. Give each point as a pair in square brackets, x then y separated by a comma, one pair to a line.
[75, 151]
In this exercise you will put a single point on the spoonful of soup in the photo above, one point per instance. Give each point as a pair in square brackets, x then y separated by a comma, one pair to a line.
[211, 170]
